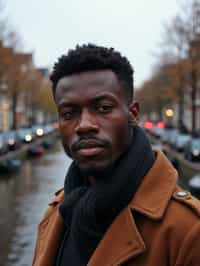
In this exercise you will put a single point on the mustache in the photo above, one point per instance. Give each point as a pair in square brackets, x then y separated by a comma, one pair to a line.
[89, 143]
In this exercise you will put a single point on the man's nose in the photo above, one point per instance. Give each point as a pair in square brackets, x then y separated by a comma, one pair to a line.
[87, 123]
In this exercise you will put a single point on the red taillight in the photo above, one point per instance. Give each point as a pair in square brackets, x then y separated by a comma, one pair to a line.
[148, 125]
[161, 124]
[55, 125]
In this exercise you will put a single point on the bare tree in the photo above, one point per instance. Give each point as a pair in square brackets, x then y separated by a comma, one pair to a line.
[182, 43]
[156, 93]
[175, 50]
[191, 20]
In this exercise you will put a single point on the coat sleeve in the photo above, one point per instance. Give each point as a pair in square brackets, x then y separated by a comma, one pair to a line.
[189, 254]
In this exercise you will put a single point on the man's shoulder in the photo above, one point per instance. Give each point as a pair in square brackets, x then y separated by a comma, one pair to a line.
[58, 197]
[53, 204]
[59, 191]
[187, 200]
[184, 208]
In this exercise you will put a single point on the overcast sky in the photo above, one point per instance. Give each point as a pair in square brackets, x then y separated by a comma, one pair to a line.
[51, 27]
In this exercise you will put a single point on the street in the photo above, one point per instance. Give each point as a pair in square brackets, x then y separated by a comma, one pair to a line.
[23, 198]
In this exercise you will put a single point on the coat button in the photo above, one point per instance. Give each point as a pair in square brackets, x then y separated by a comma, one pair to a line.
[181, 194]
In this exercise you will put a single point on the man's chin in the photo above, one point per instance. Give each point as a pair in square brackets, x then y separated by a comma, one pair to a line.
[96, 171]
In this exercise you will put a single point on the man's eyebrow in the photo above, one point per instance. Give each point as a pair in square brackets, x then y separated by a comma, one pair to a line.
[94, 99]
[103, 97]
[66, 104]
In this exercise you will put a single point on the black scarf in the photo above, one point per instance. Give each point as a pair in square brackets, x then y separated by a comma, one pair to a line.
[88, 211]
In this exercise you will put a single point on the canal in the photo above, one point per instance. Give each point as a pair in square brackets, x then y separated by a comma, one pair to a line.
[23, 199]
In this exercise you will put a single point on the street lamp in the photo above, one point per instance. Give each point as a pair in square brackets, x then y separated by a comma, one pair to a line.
[169, 112]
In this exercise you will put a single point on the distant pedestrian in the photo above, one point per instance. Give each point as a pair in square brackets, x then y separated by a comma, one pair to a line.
[120, 204]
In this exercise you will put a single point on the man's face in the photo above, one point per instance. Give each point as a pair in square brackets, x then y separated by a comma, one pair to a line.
[94, 116]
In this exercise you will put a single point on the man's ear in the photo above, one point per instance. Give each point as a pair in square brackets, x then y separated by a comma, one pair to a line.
[134, 109]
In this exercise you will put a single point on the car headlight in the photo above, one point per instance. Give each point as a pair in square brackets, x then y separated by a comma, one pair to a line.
[196, 152]
[39, 132]
[11, 141]
[28, 138]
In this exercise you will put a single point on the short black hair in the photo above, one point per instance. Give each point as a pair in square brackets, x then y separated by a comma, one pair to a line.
[90, 57]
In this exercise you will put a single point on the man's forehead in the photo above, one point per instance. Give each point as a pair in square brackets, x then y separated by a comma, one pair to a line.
[87, 78]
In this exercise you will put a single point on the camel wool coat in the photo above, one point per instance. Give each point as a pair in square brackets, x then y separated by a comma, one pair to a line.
[160, 226]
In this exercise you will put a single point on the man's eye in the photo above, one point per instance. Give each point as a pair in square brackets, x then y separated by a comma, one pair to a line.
[105, 108]
[67, 114]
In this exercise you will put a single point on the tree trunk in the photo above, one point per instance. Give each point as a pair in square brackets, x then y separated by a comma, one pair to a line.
[193, 99]
[159, 108]
[14, 110]
[180, 108]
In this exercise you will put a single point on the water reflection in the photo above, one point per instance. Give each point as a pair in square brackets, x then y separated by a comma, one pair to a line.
[23, 199]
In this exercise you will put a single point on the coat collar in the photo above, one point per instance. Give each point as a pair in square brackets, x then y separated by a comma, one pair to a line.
[151, 200]
[157, 187]
[123, 241]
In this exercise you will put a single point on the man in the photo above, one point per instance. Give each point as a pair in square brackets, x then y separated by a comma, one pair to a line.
[120, 204]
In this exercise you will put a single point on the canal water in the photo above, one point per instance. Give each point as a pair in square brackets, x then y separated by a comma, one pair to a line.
[23, 199]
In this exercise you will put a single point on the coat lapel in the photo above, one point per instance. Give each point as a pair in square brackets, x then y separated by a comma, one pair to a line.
[156, 190]
[50, 232]
[121, 241]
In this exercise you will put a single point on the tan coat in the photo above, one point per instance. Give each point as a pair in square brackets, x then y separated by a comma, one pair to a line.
[160, 226]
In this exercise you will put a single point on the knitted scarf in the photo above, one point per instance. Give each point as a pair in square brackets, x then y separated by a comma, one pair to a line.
[88, 211]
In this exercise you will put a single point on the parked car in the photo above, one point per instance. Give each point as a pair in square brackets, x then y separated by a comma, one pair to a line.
[192, 150]
[164, 136]
[168, 134]
[47, 143]
[25, 135]
[37, 131]
[10, 165]
[157, 128]
[49, 128]
[194, 184]
[55, 125]
[148, 126]
[158, 132]
[3, 147]
[181, 141]
[11, 139]
[173, 136]
[36, 151]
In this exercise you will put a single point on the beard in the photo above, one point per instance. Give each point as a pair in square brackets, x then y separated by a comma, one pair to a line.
[98, 173]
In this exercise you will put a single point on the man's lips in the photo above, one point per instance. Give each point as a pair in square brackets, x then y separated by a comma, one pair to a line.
[89, 147]
[92, 151]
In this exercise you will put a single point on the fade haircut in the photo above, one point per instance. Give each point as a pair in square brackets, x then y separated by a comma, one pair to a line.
[89, 57]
